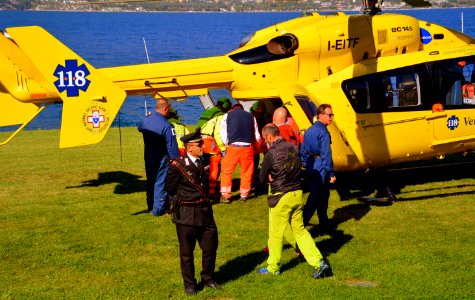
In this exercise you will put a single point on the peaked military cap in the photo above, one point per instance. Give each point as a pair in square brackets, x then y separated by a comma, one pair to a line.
[192, 137]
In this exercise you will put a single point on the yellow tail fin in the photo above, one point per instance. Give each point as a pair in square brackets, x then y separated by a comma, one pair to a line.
[90, 100]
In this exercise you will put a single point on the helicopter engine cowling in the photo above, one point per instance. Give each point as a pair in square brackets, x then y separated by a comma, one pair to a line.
[395, 34]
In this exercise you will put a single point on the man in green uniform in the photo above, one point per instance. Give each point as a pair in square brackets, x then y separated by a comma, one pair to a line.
[210, 123]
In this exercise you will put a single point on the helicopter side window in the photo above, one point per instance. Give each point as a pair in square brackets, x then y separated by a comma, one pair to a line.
[403, 90]
[357, 91]
[455, 81]
[468, 85]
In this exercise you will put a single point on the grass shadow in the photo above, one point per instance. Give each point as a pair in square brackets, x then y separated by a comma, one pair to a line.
[328, 246]
[126, 183]
[431, 197]
[240, 266]
[351, 185]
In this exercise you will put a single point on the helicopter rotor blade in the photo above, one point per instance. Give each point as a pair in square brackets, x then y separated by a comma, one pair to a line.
[418, 3]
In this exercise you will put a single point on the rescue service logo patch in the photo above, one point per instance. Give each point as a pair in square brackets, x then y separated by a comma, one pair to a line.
[71, 78]
[96, 118]
[452, 122]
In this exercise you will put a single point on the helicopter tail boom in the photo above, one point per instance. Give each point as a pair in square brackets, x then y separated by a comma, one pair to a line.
[38, 70]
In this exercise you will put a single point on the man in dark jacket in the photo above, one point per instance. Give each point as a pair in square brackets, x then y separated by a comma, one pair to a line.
[160, 146]
[281, 169]
[187, 183]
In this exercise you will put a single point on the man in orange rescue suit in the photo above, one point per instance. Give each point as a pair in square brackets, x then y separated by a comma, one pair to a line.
[209, 123]
[286, 131]
[239, 132]
[187, 186]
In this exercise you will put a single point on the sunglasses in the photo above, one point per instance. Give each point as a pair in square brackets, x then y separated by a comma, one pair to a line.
[330, 115]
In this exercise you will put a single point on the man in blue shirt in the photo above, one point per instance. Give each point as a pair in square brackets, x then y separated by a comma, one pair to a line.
[160, 146]
[316, 155]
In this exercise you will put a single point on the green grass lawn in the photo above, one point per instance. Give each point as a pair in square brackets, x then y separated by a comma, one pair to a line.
[71, 227]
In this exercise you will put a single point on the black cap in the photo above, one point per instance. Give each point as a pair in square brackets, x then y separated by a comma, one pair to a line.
[192, 137]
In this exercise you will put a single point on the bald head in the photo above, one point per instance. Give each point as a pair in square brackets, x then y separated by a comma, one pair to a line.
[162, 106]
[280, 116]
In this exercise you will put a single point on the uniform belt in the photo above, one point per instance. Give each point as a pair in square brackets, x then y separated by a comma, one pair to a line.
[205, 135]
[240, 146]
[199, 203]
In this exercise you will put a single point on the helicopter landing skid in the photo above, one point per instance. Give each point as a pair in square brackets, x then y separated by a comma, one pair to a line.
[376, 201]
[391, 197]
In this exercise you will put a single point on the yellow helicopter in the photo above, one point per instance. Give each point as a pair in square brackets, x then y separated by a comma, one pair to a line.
[402, 89]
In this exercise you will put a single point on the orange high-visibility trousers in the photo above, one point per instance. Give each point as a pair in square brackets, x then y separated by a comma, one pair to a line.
[244, 156]
[214, 161]
[210, 146]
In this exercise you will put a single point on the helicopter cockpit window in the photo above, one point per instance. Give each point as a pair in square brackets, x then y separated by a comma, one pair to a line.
[357, 91]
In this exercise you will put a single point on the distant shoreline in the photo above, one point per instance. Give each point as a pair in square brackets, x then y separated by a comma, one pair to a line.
[244, 11]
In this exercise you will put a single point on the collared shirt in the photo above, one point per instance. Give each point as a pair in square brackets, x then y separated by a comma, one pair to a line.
[224, 132]
[316, 153]
[193, 159]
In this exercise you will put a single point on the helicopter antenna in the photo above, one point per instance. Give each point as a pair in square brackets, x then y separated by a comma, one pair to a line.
[148, 60]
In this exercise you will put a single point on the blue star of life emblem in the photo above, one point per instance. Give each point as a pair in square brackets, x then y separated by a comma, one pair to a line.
[72, 78]
[452, 122]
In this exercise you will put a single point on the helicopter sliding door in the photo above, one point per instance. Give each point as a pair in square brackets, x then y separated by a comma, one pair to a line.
[390, 117]
[454, 81]
[421, 107]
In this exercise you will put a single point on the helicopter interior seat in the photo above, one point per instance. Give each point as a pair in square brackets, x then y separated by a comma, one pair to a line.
[452, 87]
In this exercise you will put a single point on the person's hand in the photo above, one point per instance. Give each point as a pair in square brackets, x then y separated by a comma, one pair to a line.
[332, 179]
[270, 178]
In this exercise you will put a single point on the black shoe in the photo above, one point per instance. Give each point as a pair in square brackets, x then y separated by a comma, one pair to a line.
[213, 284]
[190, 291]
[322, 271]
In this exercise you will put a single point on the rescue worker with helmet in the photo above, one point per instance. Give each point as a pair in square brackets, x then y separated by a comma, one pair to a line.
[209, 123]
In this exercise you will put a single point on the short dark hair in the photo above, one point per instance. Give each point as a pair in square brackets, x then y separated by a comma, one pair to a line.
[321, 108]
[271, 129]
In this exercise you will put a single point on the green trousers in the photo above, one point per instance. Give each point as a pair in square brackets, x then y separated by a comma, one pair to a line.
[289, 211]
